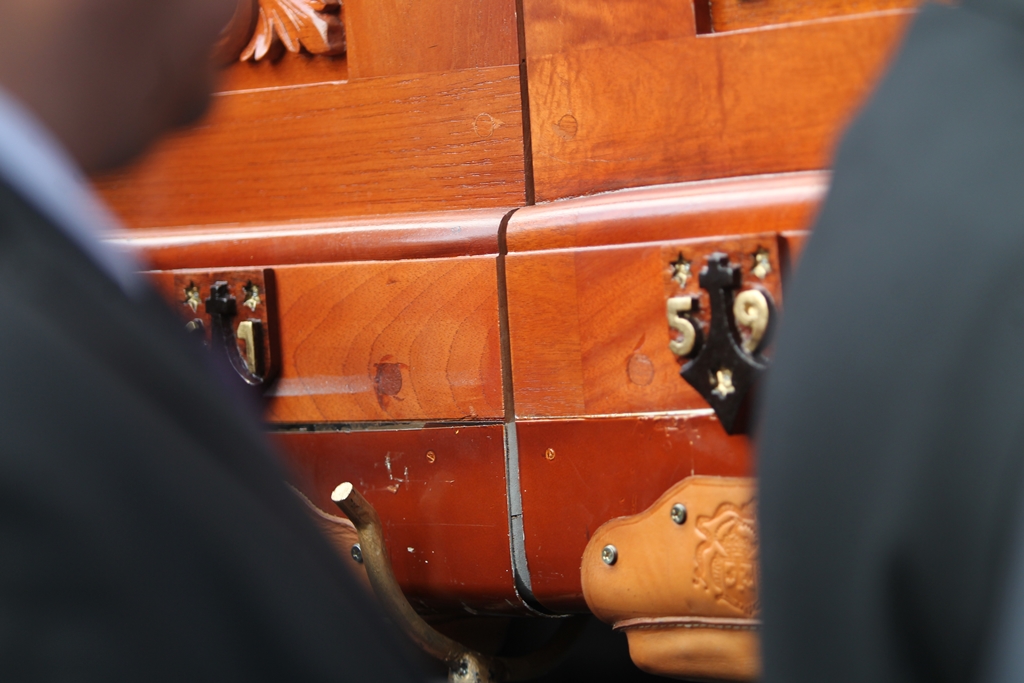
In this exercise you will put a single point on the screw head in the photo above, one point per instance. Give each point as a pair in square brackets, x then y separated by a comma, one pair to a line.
[678, 513]
[357, 553]
[609, 555]
[550, 454]
[431, 456]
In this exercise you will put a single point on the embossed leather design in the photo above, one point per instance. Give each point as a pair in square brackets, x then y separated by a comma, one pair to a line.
[684, 594]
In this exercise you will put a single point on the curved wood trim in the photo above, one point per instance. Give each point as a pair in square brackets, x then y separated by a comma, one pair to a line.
[472, 232]
[733, 206]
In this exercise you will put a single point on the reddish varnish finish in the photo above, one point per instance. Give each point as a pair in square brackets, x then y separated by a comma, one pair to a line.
[290, 69]
[740, 103]
[558, 25]
[730, 15]
[398, 144]
[375, 238]
[733, 206]
[388, 340]
[389, 37]
[589, 329]
[578, 474]
[445, 522]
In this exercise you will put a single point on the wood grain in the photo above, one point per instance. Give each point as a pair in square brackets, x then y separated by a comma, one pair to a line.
[553, 26]
[389, 37]
[445, 521]
[374, 238]
[401, 144]
[384, 341]
[588, 327]
[732, 206]
[731, 15]
[289, 70]
[601, 469]
[742, 103]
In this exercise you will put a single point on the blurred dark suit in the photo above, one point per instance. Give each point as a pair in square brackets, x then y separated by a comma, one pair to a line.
[892, 441]
[146, 530]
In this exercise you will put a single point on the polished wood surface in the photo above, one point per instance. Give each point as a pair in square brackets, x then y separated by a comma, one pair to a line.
[552, 26]
[290, 69]
[731, 15]
[588, 327]
[441, 496]
[389, 37]
[739, 103]
[578, 474]
[379, 186]
[388, 340]
[435, 141]
[439, 234]
[731, 206]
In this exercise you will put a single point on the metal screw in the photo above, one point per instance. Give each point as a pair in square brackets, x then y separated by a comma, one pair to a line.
[550, 454]
[609, 555]
[357, 553]
[431, 456]
[195, 325]
[678, 513]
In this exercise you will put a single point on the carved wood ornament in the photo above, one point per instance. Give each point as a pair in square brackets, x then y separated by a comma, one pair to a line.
[260, 28]
[312, 24]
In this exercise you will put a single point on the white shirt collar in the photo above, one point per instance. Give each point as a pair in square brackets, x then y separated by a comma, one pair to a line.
[37, 167]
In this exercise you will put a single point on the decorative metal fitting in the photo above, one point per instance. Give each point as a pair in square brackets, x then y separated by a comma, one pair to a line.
[357, 553]
[678, 513]
[610, 555]
[725, 369]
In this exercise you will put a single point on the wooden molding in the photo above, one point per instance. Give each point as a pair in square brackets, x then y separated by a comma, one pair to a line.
[707, 208]
[398, 144]
[436, 234]
[315, 25]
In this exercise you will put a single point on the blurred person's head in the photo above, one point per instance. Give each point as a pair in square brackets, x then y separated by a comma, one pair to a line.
[109, 76]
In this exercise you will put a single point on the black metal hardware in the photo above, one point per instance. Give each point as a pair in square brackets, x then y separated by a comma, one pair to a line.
[222, 309]
[722, 371]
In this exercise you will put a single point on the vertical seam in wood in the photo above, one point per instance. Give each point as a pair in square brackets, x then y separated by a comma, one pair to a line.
[524, 90]
[514, 495]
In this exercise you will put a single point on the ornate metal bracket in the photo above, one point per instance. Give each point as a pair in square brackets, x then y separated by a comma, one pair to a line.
[222, 309]
[726, 367]
[464, 665]
[237, 320]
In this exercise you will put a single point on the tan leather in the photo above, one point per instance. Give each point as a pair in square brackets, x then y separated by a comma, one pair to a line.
[684, 594]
